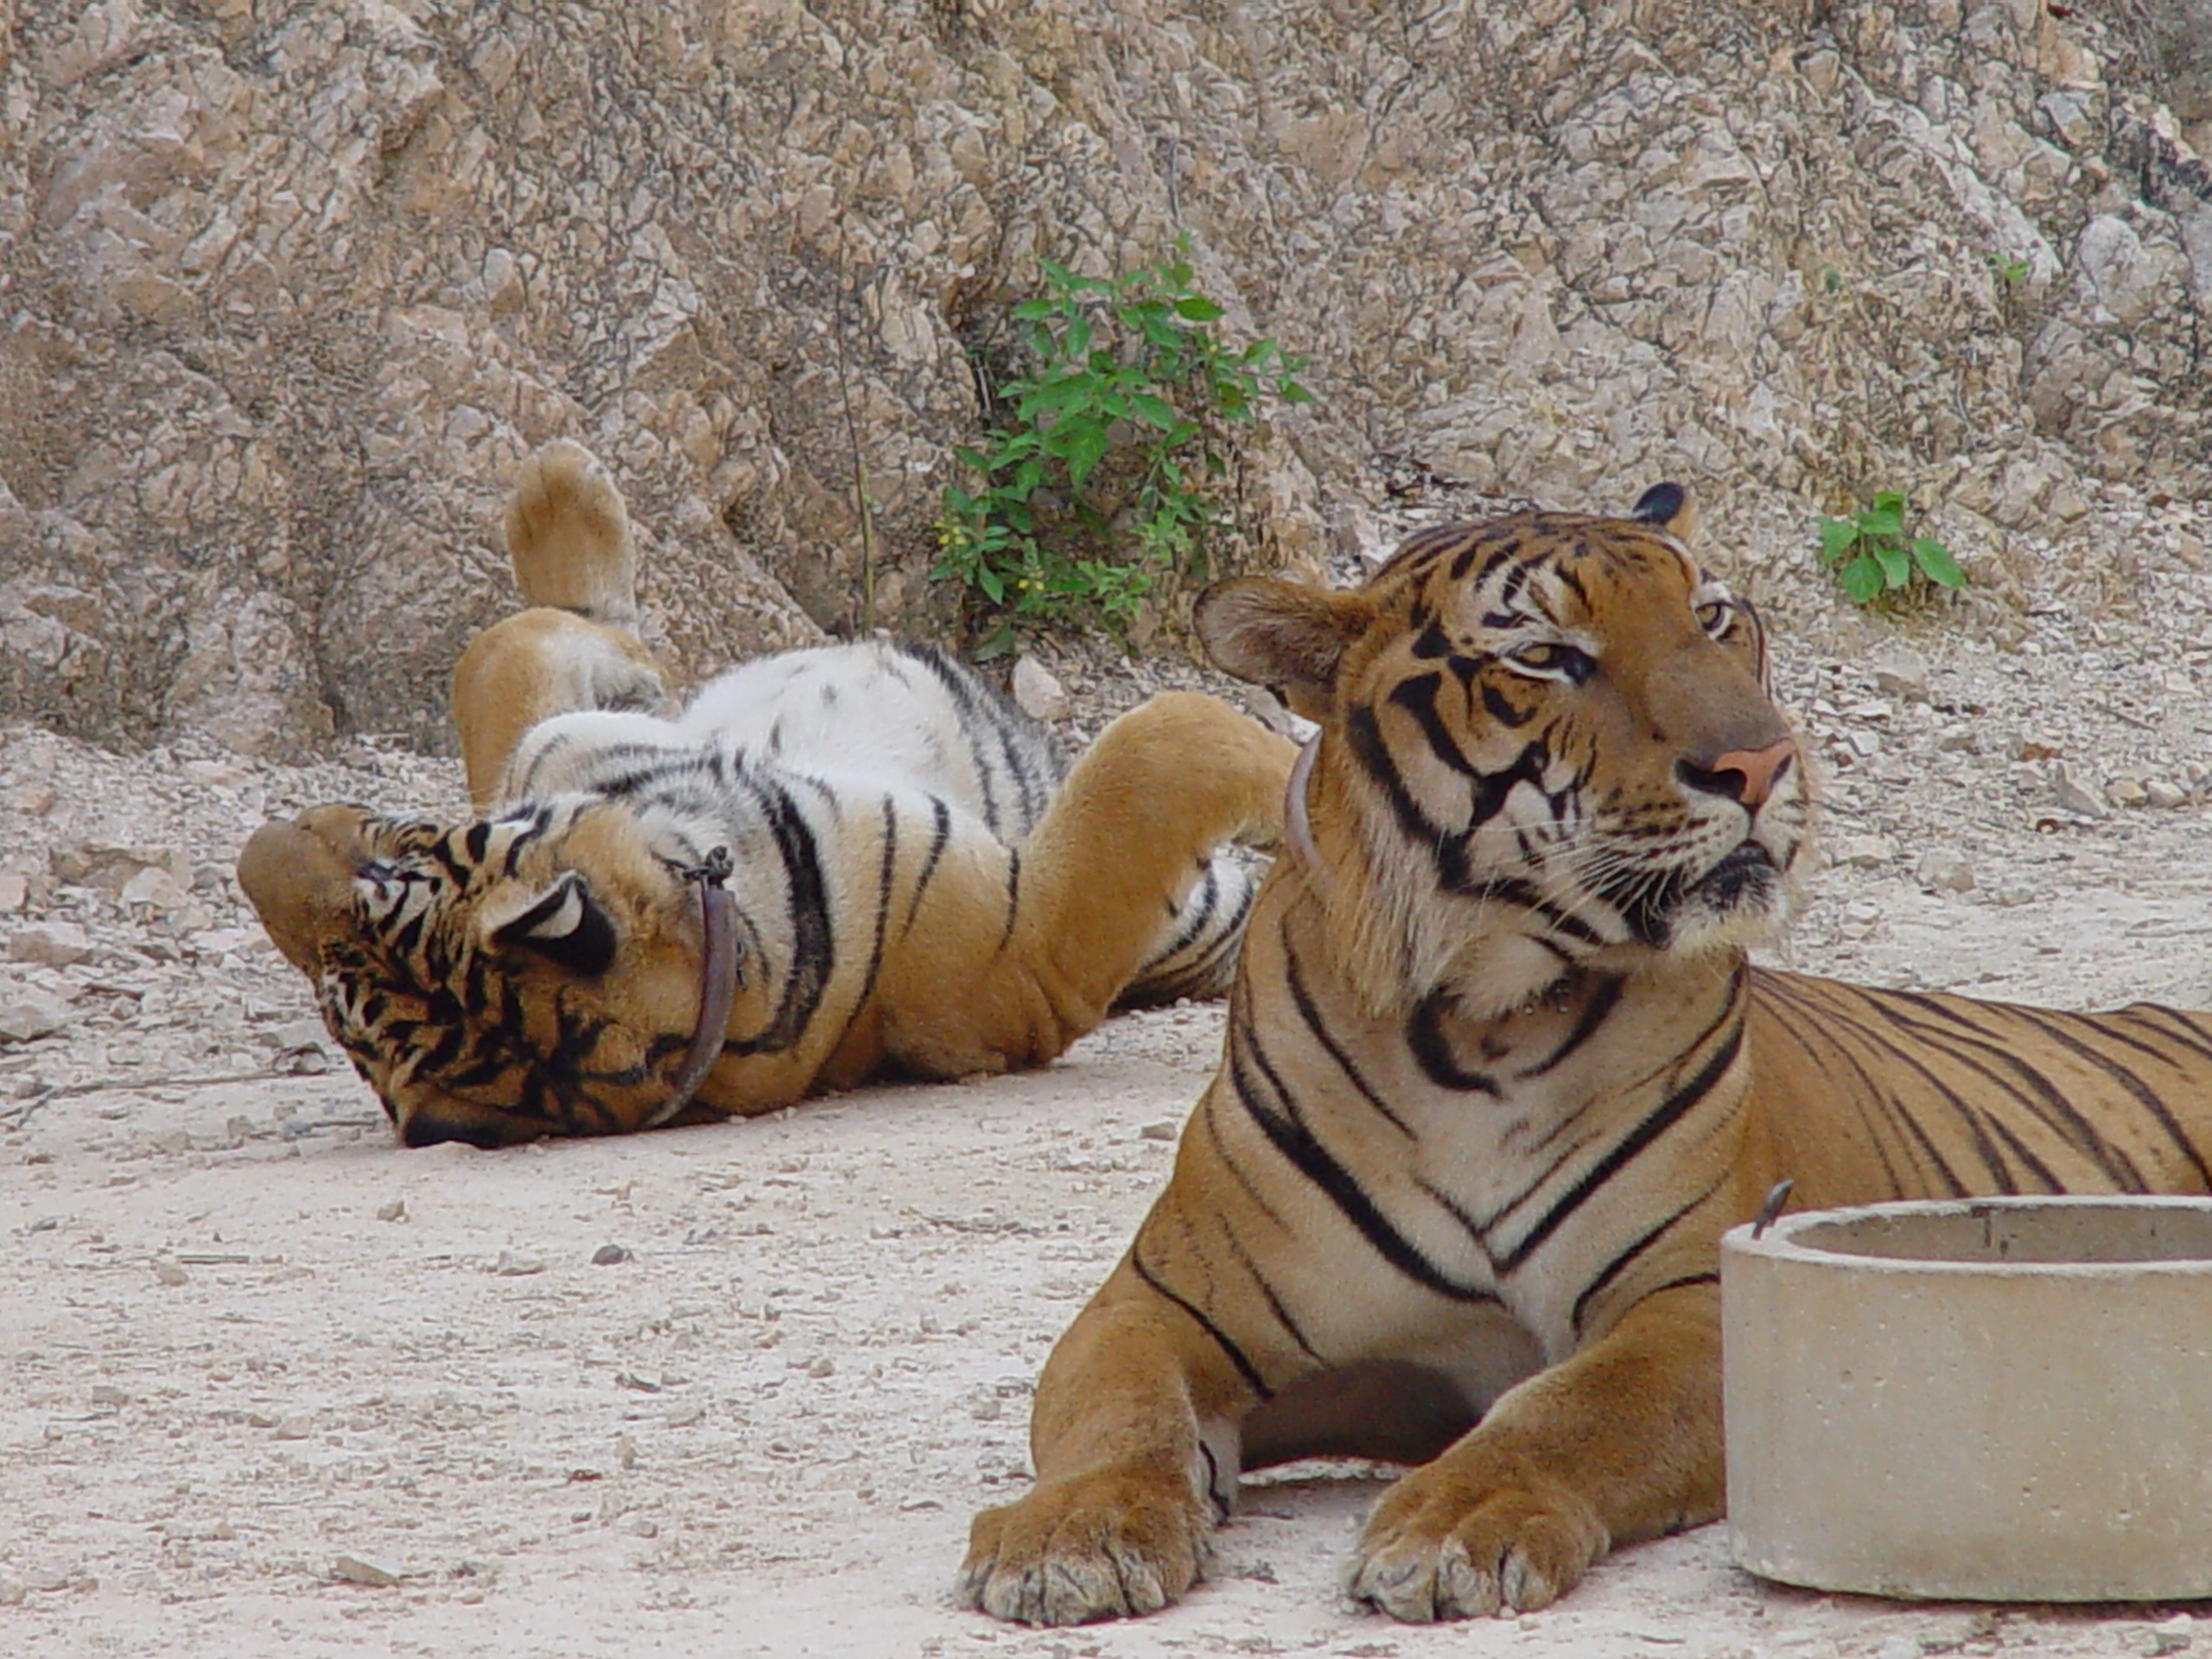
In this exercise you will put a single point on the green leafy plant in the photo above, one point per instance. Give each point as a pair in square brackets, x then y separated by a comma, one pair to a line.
[1872, 555]
[1103, 466]
[2007, 269]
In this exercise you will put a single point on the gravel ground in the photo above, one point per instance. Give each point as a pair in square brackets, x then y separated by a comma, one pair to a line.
[274, 1386]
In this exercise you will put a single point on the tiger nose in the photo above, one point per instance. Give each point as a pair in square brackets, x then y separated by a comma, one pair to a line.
[1744, 775]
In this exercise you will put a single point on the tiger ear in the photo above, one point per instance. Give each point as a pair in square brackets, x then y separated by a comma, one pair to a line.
[1281, 635]
[561, 923]
[1668, 507]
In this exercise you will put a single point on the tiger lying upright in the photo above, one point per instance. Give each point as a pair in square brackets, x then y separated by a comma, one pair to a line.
[1497, 1076]
[835, 865]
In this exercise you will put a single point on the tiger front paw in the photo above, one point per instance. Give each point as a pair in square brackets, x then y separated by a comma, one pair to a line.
[1110, 1544]
[1441, 1545]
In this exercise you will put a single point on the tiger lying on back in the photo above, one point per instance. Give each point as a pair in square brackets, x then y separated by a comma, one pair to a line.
[1498, 1076]
[835, 865]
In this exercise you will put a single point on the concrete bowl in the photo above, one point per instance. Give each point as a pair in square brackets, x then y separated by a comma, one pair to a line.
[1987, 1400]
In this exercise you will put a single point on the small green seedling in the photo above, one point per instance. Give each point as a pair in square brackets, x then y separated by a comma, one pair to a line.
[1872, 555]
[1103, 468]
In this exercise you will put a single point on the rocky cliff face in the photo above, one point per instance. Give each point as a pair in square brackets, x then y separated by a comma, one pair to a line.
[289, 289]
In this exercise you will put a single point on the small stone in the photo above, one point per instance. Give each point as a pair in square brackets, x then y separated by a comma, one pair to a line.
[1900, 671]
[106, 1394]
[34, 800]
[822, 1366]
[1942, 870]
[2127, 792]
[1041, 697]
[26, 1015]
[168, 1273]
[514, 1266]
[50, 944]
[2154, 1641]
[111, 866]
[356, 1570]
[608, 1256]
[216, 774]
[295, 1426]
[156, 888]
[2160, 793]
[640, 1526]
[295, 1035]
[1863, 852]
[1165, 1129]
[395, 1211]
[2071, 795]
[14, 890]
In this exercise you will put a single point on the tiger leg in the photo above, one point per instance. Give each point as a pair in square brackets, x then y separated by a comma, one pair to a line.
[1107, 871]
[1622, 1442]
[1133, 1438]
[575, 648]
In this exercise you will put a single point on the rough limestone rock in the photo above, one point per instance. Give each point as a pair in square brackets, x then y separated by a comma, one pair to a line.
[289, 289]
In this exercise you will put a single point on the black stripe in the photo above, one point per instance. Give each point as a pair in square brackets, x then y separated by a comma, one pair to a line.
[1245, 1369]
[1656, 1124]
[1294, 976]
[2056, 1027]
[1596, 1009]
[1296, 1142]
[1196, 912]
[1564, 575]
[1417, 697]
[1013, 895]
[1230, 1161]
[940, 832]
[814, 944]
[886, 875]
[1267, 1293]
[2004, 1068]
[1828, 1018]
[1500, 711]
[1431, 1049]
[1651, 1236]
[1449, 850]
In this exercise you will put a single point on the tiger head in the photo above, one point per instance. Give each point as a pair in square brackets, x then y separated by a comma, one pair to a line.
[534, 973]
[1545, 744]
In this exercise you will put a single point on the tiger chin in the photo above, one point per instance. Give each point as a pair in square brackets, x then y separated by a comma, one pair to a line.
[1497, 1076]
[832, 866]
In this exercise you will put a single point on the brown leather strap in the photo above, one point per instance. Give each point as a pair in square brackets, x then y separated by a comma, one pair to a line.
[718, 982]
[1296, 827]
